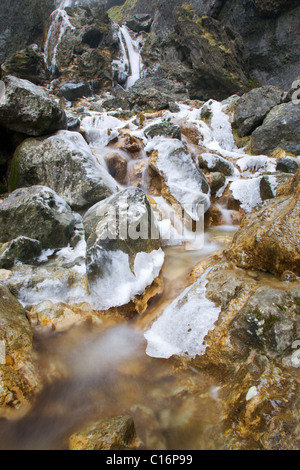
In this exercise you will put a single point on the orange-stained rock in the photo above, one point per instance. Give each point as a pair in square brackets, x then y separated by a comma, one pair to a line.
[117, 166]
[269, 236]
[112, 434]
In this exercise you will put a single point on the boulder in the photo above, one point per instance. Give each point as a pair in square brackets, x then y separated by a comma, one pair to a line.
[166, 129]
[124, 253]
[215, 163]
[19, 377]
[73, 91]
[112, 434]
[280, 129]
[268, 238]
[270, 183]
[22, 249]
[28, 64]
[183, 182]
[252, 108]
[37, 213]
[63, 162]
[216, 181]
[29, 109]
[288, 165]
[155, 93]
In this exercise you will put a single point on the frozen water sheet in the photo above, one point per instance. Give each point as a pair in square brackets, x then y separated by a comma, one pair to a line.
[182, 327]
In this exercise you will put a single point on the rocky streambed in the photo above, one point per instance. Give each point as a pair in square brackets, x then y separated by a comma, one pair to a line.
[123, 324]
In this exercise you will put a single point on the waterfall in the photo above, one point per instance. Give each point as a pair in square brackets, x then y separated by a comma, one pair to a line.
[60, 23]
[134, 56]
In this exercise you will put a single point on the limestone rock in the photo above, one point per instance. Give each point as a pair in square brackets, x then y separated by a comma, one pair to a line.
[27, 64]
[252, 108]
[124, 253]
[63, 162]
[280, 129]
[166, 129]
[19, 377]
[268, 238]
[29, 109]
[22, 249]
[112, 434]
[37, 213]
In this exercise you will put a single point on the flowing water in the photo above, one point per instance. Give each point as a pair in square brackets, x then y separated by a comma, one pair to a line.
[97, 372]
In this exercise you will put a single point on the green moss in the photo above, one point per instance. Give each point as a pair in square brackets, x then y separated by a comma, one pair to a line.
[270, 322]
[121, 13]
[240, 142]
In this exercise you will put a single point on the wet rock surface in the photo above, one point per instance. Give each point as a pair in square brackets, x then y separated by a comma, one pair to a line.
[53, 161]
[29, 109]
[19, 377]
[37, 213]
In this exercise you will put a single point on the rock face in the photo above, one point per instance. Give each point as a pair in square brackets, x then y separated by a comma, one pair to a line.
[63, 162]
[263, 26]
[273, 54]
[253, 107]
[280, 129]
[207, 58]
[19, 378]
[28, 64]
[123, 248]
[253, 341]
[112, 434]
[20, 27]
[140, 23]
[273, 7]
[268, 238]
[86, 48]
[37, 213]
[29, 109]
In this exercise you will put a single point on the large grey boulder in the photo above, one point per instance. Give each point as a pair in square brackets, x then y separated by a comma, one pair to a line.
[253, 107]
[37, 213]
[280, 129]
[124, 253]
[28, 109]
[63, 162]
[155, 93]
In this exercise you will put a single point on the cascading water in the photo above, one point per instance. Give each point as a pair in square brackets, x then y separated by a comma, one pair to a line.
[60, 24]
[129, 65]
